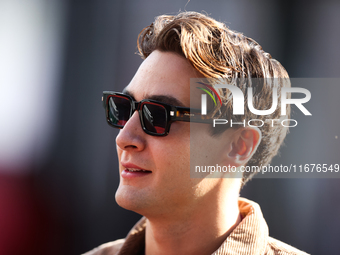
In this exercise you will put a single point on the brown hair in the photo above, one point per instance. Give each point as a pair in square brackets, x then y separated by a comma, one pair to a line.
[220, 53]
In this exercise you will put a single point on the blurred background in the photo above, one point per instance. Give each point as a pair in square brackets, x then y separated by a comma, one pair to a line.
[58, 166]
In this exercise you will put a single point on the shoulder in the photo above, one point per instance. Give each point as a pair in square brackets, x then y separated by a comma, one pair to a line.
[110, 248]
[276, 247]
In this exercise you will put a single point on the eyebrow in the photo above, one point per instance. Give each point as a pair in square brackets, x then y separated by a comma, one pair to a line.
[160, 98]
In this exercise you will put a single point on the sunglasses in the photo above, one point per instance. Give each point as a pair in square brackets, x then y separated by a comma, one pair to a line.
[155, 117]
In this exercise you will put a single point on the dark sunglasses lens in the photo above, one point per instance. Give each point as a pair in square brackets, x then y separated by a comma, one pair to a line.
[119, 110]
[154, 118]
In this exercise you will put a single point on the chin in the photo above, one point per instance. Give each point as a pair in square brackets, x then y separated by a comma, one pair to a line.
[129, 199]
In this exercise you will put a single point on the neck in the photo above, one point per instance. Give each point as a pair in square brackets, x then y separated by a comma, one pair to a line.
[198, 230]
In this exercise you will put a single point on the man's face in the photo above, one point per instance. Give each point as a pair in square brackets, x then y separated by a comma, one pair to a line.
[166, 186]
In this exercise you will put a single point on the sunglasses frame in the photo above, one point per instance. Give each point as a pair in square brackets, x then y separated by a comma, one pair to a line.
[173, 113]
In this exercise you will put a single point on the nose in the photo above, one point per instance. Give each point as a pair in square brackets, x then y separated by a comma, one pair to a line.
[132, 136]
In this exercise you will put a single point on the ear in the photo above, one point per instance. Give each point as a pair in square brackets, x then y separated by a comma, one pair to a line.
[244, 145]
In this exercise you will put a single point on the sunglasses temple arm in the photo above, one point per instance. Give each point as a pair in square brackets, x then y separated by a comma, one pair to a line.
[193, 115]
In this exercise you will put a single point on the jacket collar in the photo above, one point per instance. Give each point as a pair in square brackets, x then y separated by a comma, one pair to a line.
[249, 237]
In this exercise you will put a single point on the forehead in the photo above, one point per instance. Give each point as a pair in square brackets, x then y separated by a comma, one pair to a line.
[163, 74]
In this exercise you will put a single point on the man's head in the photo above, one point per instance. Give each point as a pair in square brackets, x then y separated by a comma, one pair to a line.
[155, 169]
[218, 52]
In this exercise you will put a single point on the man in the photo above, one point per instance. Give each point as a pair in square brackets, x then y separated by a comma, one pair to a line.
[156, 143]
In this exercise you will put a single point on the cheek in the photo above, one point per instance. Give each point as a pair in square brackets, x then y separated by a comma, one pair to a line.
[172, 159]
[174, 149]
[173, 156]
[173, 182]
[206, 150]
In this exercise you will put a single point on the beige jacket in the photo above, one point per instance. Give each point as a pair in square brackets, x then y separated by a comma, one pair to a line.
[249, 237]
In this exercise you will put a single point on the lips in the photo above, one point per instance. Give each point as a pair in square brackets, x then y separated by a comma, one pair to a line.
[136, 170]
[131, 171]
